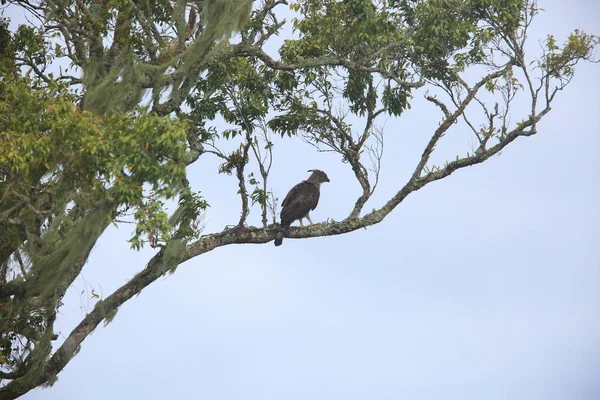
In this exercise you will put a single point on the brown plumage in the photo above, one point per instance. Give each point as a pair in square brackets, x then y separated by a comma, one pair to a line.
[300, 200]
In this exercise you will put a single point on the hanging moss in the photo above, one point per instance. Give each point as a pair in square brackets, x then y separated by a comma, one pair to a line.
[173, 254]
[65, 245]
[123, 86]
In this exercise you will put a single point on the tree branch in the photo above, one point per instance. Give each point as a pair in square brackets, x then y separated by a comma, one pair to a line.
[239, 168]
[451, 118]
[244, 49]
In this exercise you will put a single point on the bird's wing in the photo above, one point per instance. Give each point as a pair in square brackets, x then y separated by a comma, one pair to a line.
[299, 201]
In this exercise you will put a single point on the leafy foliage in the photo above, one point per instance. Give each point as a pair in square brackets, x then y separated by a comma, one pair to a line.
[51, 147]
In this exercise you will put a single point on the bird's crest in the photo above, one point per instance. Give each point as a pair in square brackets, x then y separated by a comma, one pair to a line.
[317, 176]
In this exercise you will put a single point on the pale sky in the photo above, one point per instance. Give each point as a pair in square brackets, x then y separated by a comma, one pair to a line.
[485, 285]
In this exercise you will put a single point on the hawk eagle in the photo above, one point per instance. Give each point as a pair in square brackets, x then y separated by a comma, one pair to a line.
[300, 200]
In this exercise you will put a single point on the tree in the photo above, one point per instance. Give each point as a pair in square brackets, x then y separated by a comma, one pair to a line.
[109, 142]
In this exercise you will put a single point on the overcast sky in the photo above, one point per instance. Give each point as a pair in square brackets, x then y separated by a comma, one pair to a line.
[485, 285]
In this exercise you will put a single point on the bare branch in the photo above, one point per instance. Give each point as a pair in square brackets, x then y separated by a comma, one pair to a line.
[449, 120]
[438, 103]
[376, 155]
[264, 166]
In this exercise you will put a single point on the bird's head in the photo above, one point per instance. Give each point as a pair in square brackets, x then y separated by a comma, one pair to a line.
[317, 176]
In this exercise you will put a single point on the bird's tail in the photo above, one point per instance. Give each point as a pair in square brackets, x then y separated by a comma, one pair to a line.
[279, 237]
[283, 229]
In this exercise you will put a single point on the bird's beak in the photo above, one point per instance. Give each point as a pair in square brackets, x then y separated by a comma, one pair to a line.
[328, 180]
[310, 170]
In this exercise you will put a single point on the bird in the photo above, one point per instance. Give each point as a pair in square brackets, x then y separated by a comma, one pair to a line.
[300, 200]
